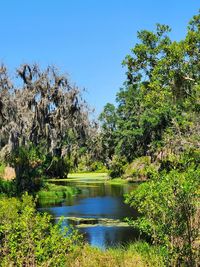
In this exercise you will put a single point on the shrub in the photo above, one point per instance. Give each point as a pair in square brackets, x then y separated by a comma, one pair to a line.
[140, 169]
[28, 163]
[97, 166]
[57, 167]
[169, 207]
[2, 168]
[7, 187]
[28, 238]
[117, 166]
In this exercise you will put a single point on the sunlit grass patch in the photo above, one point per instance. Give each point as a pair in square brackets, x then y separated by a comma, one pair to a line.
[83, 176]
[55, 193]
[117, 181]
[88, 175]
[138, 254]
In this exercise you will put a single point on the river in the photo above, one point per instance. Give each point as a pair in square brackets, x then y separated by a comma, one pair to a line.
[97, 211]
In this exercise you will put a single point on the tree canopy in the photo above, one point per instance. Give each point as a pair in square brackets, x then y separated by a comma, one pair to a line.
[43, 123]
[161, 92]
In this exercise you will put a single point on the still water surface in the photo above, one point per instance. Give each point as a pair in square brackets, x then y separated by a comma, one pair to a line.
[98, 199]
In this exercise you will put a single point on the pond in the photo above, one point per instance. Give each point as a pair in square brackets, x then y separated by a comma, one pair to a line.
[98, 211]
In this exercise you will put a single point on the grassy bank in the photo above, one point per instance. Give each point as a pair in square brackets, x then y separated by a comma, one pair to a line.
[116, 181]
[87, 174]
[90, 177]
[55, 193]
[83, 176]
[139, 254]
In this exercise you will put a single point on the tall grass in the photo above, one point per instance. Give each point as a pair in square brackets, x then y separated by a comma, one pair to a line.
[52, 193]
[139, 254]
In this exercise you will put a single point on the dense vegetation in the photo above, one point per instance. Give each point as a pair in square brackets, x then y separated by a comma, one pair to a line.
[158, 107]
[29, 238]
[152, 135]
[45, 127]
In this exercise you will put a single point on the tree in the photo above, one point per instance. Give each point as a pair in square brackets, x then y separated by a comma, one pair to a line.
[161, 87]
[108, 119]
[46, 112]
[168, 93]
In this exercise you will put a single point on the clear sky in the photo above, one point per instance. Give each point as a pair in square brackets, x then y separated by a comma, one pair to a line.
[88, 39]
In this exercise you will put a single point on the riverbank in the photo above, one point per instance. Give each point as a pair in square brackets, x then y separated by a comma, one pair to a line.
[84, 176]
[53, 193]
[91, 177]
[98, 210]
[25, 229]
[133, 255]
[138, 254]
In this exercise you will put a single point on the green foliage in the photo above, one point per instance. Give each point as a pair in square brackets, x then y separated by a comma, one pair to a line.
[2, 168]
[161, 92]
[117, 167]
[97, 166]
[138, 254]
[140, 169]
[28, 163]
[51, 193]
[169, 204]
[28, 238]
[57, 166]
[108, 119]
[32, 163]
[86, 163]
[7, 187]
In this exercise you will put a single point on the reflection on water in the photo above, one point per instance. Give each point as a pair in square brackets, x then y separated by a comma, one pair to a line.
[104, 237]
[98, 200]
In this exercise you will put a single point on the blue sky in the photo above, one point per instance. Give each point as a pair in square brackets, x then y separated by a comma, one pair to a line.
[88, 39]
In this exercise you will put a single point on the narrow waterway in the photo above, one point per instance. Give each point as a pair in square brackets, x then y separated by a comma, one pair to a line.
[98, 211]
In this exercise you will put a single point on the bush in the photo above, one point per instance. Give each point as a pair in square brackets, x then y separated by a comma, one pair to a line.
[32, 163]
[117, 166]
[7, 187]
[97, 166]
[2, 168]
[169, 207]
[28, 238]
[57, 167]
[28, 163]
[140, 169]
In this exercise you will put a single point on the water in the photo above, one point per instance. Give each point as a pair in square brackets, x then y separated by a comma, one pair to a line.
[98, 200]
